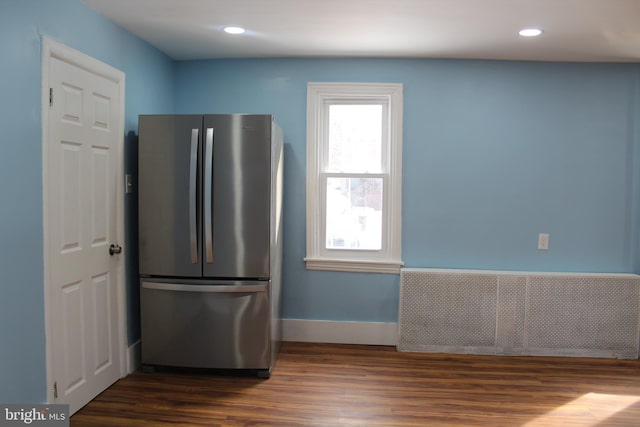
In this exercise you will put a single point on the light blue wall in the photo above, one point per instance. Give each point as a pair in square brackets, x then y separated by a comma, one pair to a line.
[149, 88]
[494, 153]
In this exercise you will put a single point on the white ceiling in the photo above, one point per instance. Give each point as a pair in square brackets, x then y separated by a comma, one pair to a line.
[574, 30]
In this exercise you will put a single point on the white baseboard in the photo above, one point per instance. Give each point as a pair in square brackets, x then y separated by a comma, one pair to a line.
[133, 357]
[323, 331]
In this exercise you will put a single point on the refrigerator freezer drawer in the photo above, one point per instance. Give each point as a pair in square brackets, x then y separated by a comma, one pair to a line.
[205, 326]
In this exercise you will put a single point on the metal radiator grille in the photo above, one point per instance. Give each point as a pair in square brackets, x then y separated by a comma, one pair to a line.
[460, 309]
[510, 316]
[581, 313]
[457, 311]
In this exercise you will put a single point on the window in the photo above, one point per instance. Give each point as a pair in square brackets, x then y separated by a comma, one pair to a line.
[354, 174]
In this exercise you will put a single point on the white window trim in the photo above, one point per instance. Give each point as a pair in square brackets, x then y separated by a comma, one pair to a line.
[389, 260]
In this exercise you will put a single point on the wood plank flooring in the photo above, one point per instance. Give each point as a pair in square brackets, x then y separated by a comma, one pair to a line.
[335, 385]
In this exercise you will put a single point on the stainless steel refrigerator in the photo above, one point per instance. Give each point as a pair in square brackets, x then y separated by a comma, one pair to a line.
[210, 240]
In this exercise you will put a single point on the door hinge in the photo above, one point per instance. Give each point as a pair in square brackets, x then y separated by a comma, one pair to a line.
[55, 390]
[50, 97]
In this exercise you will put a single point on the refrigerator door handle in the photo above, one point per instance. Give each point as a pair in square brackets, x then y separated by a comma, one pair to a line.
[204, 288]
[193, 170]
[208, 187]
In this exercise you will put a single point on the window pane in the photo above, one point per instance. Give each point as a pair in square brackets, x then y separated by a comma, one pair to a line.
[354, 213]
[355, 138]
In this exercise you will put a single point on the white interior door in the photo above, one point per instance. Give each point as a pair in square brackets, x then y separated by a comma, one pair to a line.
[82, 166]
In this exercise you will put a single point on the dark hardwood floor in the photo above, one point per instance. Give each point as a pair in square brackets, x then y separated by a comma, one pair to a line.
[334, 385]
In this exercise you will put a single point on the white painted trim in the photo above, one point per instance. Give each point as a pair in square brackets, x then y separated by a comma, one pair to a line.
[323, 331]
[134, 357]
[521, 273]
[54, 49]
[319, 95]
[390, 267]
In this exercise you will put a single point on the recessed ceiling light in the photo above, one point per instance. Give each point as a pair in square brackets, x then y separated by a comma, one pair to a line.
[234, 30]
[530, 32]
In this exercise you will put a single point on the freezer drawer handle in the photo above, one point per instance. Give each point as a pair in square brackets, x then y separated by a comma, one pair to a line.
[204, 288]
[208, 188]
[193, 169]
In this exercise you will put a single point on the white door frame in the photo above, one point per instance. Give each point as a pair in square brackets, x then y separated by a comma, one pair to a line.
[53, 49]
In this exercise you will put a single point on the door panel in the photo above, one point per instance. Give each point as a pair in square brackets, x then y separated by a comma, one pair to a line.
[70, 193]
[165, 202]
[81, 207]
[241, 195]
[102, 308]
[73, 336]
[100, 179]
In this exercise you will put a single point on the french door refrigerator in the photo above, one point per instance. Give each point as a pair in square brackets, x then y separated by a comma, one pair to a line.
[209, 203]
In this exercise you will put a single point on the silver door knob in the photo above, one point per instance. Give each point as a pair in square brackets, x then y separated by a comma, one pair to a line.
[114, 249]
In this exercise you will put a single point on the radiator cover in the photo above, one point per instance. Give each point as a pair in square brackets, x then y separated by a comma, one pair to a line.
[519, 313]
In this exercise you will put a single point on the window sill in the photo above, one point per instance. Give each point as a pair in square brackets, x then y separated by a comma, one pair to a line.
[355, 266]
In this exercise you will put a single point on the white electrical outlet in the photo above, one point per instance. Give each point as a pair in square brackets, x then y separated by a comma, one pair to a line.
[543, 241]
